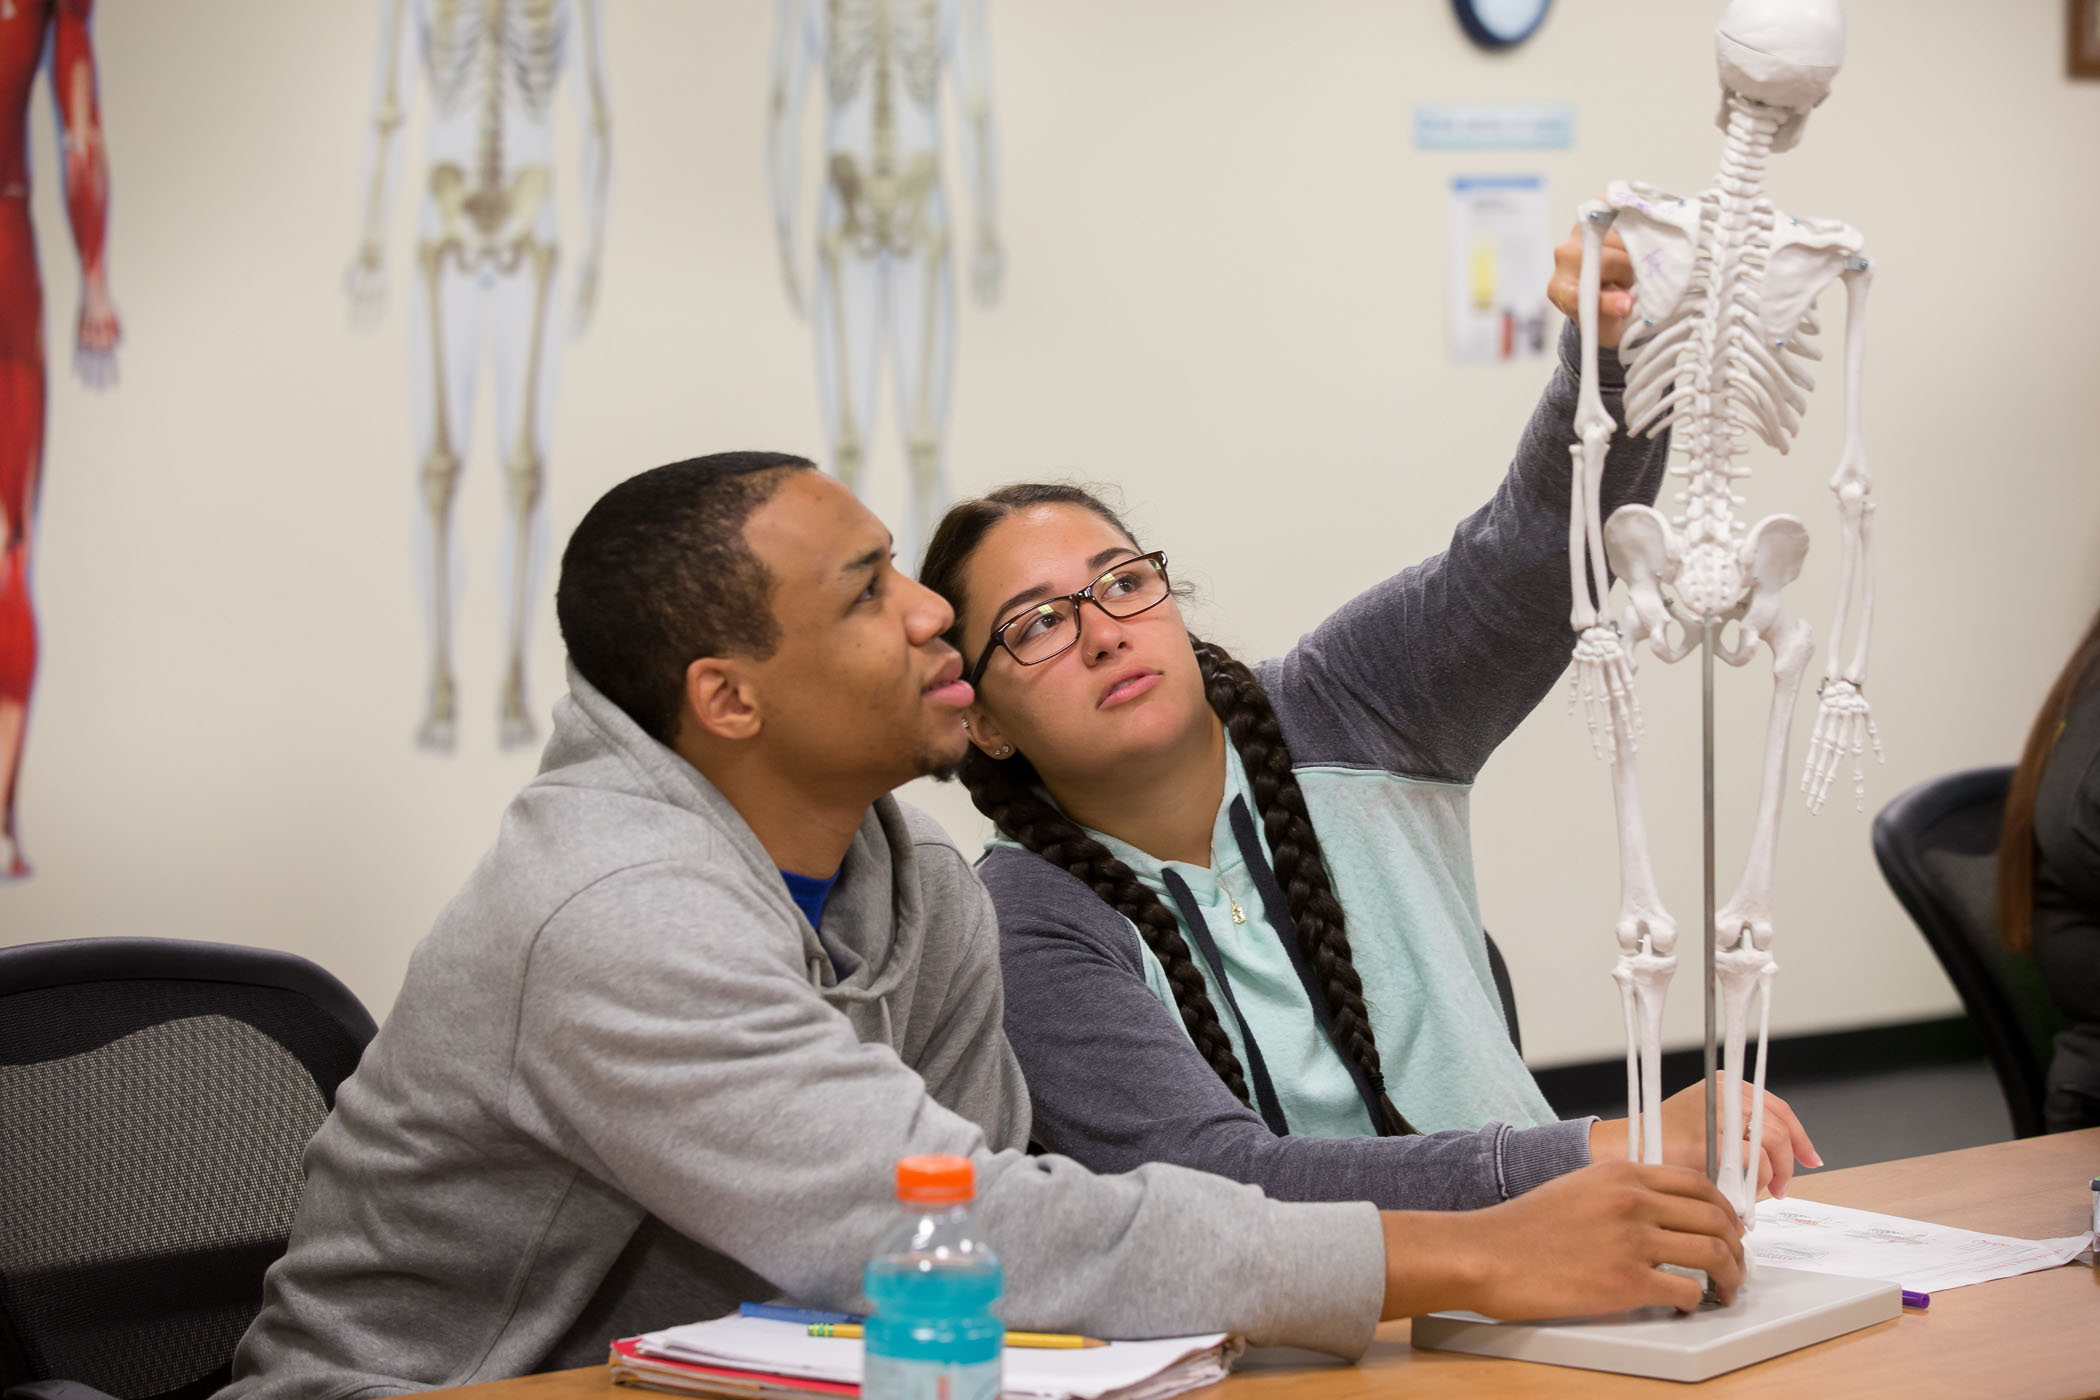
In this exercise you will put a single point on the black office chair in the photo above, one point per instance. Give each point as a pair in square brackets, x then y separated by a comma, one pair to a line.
[155, 1098]
[1499, 970]
[1938, 848]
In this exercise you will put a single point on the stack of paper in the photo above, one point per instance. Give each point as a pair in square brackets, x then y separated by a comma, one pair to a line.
[749, 1358]
[1911, 1253]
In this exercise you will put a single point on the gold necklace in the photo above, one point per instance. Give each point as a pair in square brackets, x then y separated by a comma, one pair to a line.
[1239, 915]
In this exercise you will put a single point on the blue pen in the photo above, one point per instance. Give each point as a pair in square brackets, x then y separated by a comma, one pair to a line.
[783, 1312]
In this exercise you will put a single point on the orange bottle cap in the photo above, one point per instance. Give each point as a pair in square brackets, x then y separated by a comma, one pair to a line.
[936, 1180]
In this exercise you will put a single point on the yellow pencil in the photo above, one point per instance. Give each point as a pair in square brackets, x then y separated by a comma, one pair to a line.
[1051, 1339]
[1046, 1340]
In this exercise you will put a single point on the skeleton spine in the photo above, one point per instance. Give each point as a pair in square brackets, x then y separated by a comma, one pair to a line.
[1736, 240]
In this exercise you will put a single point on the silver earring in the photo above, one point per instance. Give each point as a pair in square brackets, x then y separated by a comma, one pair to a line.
[966, 726]
[1003, 750]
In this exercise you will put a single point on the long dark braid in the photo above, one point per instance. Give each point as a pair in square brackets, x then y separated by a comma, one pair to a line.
[1250, 721]
[1006, 792]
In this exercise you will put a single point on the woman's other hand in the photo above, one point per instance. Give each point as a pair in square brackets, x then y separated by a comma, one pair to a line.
[1615, 284]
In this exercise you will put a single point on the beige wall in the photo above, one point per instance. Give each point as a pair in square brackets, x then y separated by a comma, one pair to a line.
[1225, 284]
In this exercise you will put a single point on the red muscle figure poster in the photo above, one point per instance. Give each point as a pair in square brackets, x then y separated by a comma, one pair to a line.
[51, 34]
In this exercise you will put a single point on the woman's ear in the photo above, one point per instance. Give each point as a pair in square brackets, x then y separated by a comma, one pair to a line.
[984, 732]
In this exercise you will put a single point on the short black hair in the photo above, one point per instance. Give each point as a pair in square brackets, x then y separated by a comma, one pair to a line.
[658, 575]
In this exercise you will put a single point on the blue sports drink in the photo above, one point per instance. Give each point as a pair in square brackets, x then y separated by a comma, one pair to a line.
[933, 1282]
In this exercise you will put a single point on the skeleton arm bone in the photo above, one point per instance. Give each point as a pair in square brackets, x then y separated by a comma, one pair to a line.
[87, 189]
[971, 65]
[1844, 721]
[596, 143]
[1851, 482]
[1603, 676]
[797, 45]
[366, 280]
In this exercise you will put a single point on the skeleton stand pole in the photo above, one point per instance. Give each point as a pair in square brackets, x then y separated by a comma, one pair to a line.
[1706, 738]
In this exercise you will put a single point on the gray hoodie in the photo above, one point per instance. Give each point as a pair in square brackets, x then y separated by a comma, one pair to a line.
[626, 1085]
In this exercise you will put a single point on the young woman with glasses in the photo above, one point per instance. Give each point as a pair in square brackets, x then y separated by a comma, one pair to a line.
[1236, 905]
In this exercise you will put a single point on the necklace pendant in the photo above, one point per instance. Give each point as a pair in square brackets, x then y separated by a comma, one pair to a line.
[1239, 915]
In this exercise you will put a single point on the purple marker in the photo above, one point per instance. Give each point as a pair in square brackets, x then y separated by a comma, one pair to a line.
[1916, 1300]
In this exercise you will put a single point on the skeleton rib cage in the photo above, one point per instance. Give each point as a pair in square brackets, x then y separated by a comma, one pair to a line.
[476, 50]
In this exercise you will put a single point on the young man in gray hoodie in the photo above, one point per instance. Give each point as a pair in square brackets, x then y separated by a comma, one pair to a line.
[629, 1082]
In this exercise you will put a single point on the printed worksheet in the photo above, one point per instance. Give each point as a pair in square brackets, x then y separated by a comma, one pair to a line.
[1910, 1253]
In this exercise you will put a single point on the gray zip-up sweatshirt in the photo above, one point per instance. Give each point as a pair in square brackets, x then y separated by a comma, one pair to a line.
[626, 1085]
[1389, 708]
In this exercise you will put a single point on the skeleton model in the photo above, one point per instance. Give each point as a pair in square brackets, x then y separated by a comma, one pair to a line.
[882, 265]
[1722, 325]
[486, 256]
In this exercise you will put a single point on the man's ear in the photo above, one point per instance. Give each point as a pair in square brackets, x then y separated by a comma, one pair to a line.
[721, 699]
[984, 732]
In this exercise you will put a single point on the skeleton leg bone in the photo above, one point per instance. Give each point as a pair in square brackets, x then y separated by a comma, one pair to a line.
[1645, 976]
[1756, 1134]
[921, 362]
[1742, 931]
[836, 363]
[1741, 971]
[1647, 938]
[443, 384]
[1748, 914]
[1771, 558]
[521, 403]
[1623, 975]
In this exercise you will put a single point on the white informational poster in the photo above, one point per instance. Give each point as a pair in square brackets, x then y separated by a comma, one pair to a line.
[1501, 257]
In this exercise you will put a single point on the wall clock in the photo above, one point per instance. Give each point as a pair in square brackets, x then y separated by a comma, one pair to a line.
[1500, 24]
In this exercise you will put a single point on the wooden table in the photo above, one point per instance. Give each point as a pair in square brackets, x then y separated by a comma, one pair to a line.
[2035, 1335]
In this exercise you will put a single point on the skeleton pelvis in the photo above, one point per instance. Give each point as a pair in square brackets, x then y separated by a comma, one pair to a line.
[885, 207]
[1710, 578]
[489, 214]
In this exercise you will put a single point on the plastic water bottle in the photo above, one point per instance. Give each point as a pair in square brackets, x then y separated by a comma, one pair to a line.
[933, 1281]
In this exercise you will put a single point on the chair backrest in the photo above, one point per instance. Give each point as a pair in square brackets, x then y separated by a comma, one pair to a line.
[1504, 989]
[155, 1099]
[1938, 848]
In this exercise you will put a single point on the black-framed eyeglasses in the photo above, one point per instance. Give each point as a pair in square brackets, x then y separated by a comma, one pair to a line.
[1051, 627]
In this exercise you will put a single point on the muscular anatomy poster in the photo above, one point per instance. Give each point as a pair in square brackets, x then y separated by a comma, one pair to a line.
[483, 277]
[51, 35]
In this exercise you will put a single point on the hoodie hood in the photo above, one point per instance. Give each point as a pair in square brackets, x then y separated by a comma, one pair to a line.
[597, 746]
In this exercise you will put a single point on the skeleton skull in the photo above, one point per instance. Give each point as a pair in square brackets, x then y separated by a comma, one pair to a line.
[1782, 53]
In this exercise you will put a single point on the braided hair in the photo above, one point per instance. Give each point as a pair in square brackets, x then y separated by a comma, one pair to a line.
[1008, 793]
